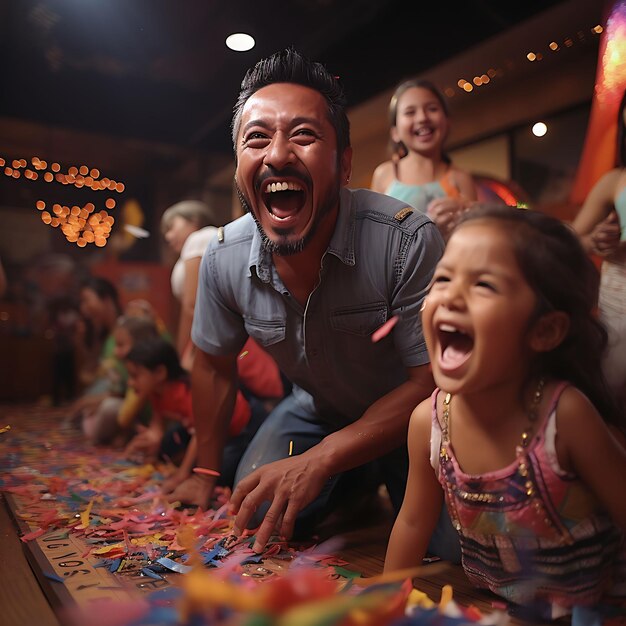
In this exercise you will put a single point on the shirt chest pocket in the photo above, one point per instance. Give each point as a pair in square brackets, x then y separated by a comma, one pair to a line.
[265, 332]
[361, 320]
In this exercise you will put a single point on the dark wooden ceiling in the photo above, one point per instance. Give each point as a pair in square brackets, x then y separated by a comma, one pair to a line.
[159, 70]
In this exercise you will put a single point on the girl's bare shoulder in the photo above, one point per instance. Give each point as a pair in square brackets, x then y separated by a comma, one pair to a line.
[382, 176]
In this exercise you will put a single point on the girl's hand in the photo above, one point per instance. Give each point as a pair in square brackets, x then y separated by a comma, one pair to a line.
[445, 212]
[605, 237]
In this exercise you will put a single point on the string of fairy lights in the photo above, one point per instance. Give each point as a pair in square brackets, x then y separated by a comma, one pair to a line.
[81, 225]
[532, 56]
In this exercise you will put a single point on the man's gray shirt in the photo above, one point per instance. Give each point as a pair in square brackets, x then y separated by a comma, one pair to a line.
[379, 264]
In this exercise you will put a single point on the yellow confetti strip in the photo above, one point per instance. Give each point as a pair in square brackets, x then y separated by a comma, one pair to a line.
[84, 516]
[446, 597]
[419, 599]
[5, 429]
[107, 549]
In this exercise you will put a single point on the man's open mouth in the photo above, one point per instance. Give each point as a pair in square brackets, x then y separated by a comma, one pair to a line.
[284, 199]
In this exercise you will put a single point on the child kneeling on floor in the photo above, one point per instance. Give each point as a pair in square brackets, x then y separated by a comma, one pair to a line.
[156, 375]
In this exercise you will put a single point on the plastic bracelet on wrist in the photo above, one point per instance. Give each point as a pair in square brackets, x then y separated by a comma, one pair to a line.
[205, 471]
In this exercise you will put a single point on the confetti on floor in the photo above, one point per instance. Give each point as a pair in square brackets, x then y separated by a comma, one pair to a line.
[101, 531]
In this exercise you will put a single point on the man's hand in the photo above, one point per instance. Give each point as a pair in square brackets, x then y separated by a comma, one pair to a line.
[194, 490]
[605, 237]
[289, 485]
[172, 482]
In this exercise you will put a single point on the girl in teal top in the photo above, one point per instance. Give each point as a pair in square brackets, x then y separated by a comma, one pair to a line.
[419, 172]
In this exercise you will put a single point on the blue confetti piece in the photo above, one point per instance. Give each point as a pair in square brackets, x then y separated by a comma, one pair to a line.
[151, 574]
[174, 566]
[53, 576]
[115, 565]
[218, 552]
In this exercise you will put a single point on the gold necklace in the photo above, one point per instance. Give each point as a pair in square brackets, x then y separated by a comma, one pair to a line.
[454, 490]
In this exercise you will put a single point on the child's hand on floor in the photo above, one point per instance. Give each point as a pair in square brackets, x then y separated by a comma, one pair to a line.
[170, 483]
[145, 445]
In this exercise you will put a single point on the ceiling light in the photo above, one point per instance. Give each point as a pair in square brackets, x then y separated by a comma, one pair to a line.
[240, 42]
[539, 129]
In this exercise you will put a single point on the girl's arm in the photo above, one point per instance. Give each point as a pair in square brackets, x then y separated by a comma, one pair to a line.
[190, 285]
[586, 446]
[597, 207]
[466, 185]
[423, 498]
[382, 176]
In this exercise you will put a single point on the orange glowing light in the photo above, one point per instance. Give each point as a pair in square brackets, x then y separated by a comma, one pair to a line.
[76, 223]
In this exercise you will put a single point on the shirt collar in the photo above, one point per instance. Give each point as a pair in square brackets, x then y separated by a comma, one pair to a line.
[342, 241]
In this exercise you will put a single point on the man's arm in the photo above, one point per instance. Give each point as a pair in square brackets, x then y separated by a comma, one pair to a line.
[214, 389]
[292, 483]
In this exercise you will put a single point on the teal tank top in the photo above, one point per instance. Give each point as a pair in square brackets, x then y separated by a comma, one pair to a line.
[418, 196]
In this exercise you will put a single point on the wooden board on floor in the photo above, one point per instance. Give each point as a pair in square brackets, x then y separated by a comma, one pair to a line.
[68, 578]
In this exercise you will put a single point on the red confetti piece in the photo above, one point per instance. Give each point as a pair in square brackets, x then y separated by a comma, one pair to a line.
[385, 329]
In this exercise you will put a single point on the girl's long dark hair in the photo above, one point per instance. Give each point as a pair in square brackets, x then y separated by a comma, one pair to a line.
[563, 278]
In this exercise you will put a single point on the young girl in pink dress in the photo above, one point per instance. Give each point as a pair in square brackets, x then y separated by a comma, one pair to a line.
[521, 436]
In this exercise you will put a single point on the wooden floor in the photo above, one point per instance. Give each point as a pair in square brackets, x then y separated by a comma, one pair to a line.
[358, 536]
